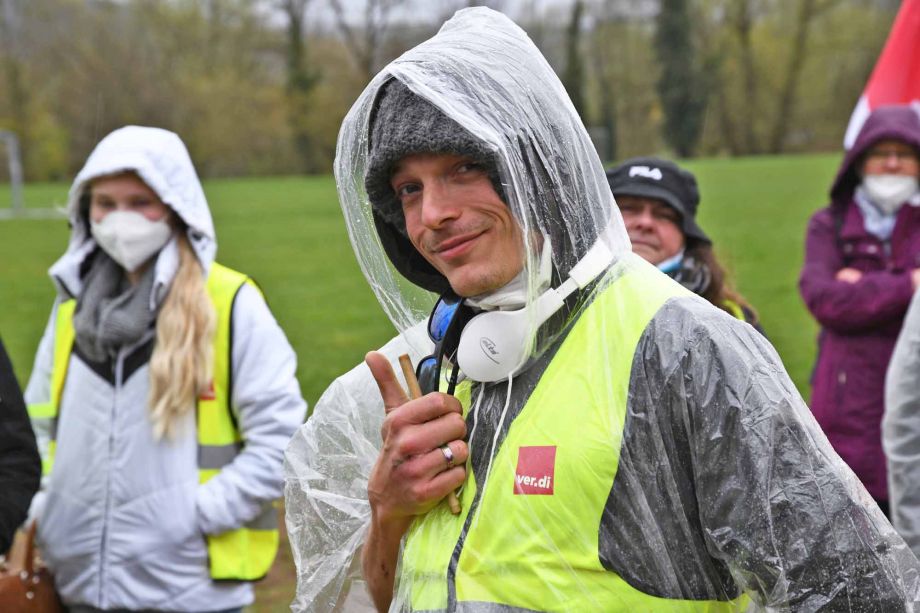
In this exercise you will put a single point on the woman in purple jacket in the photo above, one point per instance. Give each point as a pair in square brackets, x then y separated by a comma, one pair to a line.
[862, 264]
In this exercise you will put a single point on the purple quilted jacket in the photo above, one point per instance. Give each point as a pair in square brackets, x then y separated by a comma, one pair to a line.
[859, 322]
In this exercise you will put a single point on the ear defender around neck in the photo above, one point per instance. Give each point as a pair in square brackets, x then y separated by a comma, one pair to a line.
[496, 344]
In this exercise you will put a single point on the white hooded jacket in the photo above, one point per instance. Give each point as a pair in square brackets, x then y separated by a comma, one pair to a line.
[122, 517]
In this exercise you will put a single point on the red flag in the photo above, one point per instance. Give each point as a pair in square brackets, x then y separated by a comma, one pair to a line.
[896, 76]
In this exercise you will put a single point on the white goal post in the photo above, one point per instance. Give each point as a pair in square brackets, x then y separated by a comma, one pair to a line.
[11, 145]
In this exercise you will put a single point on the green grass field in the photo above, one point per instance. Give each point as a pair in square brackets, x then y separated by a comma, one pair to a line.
[289, 235]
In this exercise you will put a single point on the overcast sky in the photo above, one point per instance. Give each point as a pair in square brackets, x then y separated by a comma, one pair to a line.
[429, 11]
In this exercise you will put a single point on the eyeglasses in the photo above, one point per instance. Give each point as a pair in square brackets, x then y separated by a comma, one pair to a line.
[445, 323]
[883, 155]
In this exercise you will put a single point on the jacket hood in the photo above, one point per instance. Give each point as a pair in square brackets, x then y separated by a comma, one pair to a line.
[484, 73]
[160, 159]
[900, 122]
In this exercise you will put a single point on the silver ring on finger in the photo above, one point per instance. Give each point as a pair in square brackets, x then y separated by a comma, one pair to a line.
[448, 454]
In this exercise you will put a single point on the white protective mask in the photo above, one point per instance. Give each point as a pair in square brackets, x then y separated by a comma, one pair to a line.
[889, 192]
[130, 238]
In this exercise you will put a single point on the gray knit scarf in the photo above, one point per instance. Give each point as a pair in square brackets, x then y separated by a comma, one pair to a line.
[693, 274]
[111, 313]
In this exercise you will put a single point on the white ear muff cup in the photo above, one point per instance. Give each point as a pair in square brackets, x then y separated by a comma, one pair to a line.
[495, 345]
[492, 345]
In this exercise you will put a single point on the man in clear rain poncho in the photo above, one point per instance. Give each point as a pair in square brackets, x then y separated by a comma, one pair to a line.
[624, 445]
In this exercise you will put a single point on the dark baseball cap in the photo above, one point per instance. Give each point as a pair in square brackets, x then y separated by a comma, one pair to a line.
[650, 177]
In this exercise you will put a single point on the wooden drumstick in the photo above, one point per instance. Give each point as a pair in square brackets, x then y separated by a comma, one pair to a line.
[416, 392]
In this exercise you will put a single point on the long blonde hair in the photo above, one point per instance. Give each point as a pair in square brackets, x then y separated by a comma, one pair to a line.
[182, 363]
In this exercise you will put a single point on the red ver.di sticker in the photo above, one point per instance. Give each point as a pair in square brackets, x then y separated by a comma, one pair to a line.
[535, 472]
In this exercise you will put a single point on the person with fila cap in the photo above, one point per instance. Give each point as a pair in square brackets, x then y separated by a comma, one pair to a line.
[658, 200]
[162, 396]
[614, 442]
[862, 265]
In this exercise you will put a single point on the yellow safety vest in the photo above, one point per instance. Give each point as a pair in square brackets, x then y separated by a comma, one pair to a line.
[735, 309]
[244, 554]
[544, 549]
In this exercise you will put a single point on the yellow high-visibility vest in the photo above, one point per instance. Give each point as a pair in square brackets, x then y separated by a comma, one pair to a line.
[734, 309]
[543, 554]
[244, 554]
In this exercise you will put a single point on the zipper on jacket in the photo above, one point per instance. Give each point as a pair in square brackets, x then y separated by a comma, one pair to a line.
[452, 602]
[118, 370]
[455, 556]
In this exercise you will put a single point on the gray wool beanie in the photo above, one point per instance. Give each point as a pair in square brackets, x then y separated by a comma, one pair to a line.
[404, 124]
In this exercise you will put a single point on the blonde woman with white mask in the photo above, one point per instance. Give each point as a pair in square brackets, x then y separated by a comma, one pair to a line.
[162, 395]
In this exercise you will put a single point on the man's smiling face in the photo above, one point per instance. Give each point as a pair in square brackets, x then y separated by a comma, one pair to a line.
[457, 221]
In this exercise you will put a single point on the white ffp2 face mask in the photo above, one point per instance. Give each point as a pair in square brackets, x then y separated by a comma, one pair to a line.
[130, 238]
[889, 192]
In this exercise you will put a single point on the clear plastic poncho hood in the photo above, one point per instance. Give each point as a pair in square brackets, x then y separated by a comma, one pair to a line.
[654, 457]
[551, 174]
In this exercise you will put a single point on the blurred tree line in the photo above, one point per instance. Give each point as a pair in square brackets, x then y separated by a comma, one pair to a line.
[260, 86]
